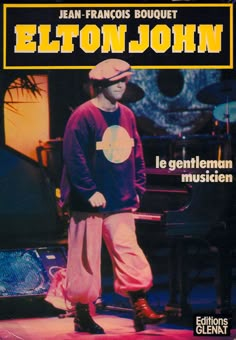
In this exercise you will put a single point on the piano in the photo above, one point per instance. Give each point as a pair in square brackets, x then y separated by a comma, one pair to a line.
[186, 212]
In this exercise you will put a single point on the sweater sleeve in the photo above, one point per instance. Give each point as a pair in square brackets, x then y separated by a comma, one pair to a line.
[77, 157]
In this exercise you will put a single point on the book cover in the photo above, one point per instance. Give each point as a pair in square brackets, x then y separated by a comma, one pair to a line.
[183, 95]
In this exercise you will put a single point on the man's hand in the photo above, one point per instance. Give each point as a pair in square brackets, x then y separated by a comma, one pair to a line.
[97, 200]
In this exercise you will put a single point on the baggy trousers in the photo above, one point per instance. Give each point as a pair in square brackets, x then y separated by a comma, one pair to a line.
[131, 269]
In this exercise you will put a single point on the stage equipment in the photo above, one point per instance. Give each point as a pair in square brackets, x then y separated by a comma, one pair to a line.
[168, 147]
[132, 93]
[189, 215]
[147, 127]
[53, 259]
[220, 112]
[218, 93]
[49, 155]
[50, 160]
[27, 272]
[205, 220]
[170, 99]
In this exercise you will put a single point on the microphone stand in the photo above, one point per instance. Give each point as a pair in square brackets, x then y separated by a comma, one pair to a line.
[227, 154]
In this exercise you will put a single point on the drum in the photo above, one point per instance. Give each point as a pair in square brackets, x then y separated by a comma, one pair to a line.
[226, 110]
[205, 146]
[169, 147]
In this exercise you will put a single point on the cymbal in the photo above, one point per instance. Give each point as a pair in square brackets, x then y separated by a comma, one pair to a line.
[220, 112]
[132, 94]
[146, 125]
[218, 93]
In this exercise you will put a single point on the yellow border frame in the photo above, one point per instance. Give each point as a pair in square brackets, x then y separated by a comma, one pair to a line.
[6, 6]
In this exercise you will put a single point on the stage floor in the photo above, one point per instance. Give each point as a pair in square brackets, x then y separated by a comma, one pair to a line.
[54, 328]
[33, 319]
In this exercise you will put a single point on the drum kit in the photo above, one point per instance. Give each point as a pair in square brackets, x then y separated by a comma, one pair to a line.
[223, 96]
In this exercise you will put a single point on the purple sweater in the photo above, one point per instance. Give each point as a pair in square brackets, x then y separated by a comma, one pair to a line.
[102, 152]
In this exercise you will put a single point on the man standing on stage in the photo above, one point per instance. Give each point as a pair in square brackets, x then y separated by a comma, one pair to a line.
[105, 179]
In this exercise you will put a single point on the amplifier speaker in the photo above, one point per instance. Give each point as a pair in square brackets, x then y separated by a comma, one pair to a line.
[28, 272]
[53, 259]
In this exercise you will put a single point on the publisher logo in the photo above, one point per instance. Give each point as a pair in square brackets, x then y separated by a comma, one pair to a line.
[212, 325]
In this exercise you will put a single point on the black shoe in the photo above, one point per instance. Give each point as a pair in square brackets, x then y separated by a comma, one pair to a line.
[83, 321]
[88, 326]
